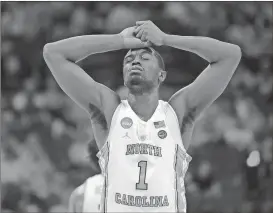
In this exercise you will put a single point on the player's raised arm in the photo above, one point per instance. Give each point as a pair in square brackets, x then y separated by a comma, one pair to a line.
[223, 60]
[61, 58]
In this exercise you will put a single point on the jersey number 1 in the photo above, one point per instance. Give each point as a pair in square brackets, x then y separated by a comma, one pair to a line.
[141, 185]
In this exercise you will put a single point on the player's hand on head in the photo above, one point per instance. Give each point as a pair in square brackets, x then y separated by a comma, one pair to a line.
[148, 31]
[130, 41]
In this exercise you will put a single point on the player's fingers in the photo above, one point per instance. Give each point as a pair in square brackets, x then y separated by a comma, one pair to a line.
[147, 44]
[137, 29]
[141, 27]
[140, 22]
[139, 34]
[143, 37]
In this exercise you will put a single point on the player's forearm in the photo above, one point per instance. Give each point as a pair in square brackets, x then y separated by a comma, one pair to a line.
[209, 49]
[79, 47]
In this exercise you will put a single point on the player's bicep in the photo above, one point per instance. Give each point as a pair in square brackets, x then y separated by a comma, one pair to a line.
[74, 81]
[209, 85]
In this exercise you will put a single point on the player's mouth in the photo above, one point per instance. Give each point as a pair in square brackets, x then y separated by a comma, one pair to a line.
[136, 70]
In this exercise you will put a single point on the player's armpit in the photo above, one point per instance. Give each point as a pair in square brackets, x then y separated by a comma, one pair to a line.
[185, 116]
[97, 116]
[178, 103]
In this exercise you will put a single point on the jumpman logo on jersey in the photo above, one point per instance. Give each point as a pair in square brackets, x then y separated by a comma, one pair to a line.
[126, 135]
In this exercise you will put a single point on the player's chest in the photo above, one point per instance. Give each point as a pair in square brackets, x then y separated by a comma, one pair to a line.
[136, 130]
[133, 141]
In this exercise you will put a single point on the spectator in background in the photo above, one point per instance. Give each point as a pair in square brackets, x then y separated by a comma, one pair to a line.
[11, 198]
[252, 169]
[204, 176]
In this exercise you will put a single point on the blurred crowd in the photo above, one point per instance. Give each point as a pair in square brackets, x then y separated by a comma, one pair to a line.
[45, 135]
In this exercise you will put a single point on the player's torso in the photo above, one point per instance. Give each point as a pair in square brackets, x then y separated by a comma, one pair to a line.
[140, 162]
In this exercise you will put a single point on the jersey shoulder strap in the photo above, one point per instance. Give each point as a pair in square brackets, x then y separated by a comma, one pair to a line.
[176, 132]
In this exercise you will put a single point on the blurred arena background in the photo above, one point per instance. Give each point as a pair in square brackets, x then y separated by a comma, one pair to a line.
[45, 136]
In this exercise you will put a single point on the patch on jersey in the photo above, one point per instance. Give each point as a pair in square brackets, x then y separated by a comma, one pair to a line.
[162, 134]
[159, 124]
[126, 122]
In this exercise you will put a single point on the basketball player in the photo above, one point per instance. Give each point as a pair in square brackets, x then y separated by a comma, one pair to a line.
[87, 197]
[143, 151]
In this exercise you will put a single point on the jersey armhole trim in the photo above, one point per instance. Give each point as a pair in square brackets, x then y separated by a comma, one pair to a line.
[114, 118]
[177, 121]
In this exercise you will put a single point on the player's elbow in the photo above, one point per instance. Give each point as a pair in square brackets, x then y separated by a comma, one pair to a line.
[51, 55]
[231, 54]
[237, 52]
[47, 50]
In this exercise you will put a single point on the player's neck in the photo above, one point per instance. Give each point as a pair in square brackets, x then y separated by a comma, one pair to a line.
[144, 105]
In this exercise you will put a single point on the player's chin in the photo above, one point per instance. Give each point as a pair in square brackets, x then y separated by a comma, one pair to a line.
[139, 86]
[135, 85]
[135, 81]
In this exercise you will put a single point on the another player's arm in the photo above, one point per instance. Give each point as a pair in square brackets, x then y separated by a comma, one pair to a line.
[76, 200]
[61, 58]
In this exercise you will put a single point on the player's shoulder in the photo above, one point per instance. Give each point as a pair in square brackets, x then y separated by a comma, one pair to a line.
[78, 192]
[167, 107]
[96, 179]
[76, 199]
[77, 196]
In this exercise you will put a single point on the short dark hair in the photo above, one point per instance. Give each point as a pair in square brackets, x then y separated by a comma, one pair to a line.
[157, 55]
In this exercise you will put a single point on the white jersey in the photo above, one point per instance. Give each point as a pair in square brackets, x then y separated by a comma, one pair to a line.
[92, 194]
[144, 163]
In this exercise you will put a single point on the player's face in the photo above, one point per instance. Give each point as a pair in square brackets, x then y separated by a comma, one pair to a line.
[141, 71]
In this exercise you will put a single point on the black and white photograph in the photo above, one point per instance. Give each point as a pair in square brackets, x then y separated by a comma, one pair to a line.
[136, 106]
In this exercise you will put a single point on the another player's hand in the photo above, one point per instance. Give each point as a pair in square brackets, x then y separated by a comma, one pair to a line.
[130, 41]
[148, 31]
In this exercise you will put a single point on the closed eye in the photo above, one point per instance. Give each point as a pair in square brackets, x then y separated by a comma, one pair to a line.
[146, 56]
[128, 59]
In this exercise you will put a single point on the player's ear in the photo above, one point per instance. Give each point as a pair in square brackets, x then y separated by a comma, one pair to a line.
[162, 75]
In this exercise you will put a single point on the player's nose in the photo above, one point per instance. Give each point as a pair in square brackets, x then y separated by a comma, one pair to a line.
[136, 63]
[136, 60]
